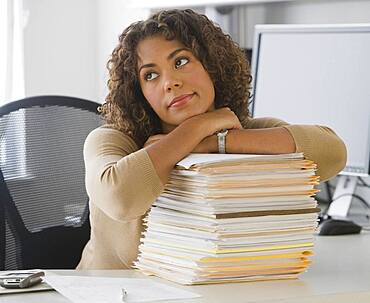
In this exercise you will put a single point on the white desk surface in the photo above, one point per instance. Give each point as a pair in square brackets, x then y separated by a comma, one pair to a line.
[340, 273]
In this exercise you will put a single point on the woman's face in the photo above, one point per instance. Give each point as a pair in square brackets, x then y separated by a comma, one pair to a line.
[173, 81]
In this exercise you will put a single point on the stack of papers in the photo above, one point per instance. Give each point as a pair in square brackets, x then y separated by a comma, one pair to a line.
[230, 218]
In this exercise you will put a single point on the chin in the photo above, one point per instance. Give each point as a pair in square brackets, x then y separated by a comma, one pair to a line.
[185, 115]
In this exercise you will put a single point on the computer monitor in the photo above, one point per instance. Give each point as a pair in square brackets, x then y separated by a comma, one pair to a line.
[318, 74]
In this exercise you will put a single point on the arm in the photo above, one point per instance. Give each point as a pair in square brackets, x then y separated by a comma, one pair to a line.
[120, 178]
[277, 140]
[268, 135]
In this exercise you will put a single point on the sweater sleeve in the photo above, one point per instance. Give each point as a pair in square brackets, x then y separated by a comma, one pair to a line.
[318, 143]
[120, 179]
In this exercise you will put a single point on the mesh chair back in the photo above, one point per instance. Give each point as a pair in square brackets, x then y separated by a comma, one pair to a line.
[43, 197]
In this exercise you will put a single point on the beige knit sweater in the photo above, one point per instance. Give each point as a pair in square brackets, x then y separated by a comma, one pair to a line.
[122, 184]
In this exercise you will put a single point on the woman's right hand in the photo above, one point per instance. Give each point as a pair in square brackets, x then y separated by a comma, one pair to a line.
[214, 121]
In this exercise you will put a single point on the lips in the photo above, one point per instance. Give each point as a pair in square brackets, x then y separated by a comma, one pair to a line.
[180, 100]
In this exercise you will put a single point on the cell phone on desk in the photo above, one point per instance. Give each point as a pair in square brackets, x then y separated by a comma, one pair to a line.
[21, 279]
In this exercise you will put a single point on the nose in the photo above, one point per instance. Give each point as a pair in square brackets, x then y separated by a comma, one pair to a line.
[172, 83]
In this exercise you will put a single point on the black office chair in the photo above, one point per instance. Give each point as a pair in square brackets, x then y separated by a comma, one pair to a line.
[43, 202]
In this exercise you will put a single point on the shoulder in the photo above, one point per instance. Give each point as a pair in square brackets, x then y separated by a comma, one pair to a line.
[265, 122]
[106, 135]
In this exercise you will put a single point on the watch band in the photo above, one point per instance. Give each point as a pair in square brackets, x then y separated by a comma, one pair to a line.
[221, 140]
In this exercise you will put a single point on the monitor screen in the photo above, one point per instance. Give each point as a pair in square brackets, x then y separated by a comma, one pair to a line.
[317, 74]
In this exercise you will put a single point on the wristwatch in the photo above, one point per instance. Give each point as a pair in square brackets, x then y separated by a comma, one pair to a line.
[221, 139]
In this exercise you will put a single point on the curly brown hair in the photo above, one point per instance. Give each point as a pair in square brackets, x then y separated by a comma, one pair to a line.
[126, 108]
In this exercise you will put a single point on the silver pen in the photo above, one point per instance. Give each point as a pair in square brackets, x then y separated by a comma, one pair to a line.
[123, 295]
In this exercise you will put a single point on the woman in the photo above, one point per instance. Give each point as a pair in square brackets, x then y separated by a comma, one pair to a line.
[175, 82]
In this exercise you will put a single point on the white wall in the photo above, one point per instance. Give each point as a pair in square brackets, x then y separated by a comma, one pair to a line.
[60, 48]
[68, 42]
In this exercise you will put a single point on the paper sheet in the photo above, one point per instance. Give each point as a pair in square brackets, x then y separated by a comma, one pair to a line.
[196, 158]
[81, 289]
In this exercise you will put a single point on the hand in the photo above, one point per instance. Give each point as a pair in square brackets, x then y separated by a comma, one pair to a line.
[214, 121]
[153, 139]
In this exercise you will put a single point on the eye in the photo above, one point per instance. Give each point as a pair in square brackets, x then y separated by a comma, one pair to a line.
[150, 76]
[180, 62]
